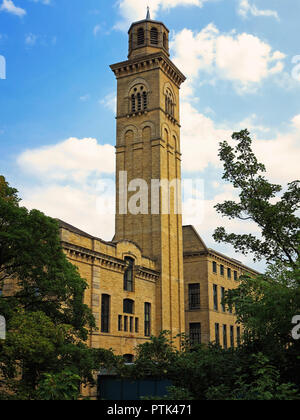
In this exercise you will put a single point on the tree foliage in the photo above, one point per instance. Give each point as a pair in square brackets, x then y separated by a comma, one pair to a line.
[47, 321]
[260, 203]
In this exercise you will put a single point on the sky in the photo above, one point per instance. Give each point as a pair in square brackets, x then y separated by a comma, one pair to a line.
[57, 100]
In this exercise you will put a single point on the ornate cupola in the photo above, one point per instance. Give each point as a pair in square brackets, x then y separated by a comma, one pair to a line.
[148, 37]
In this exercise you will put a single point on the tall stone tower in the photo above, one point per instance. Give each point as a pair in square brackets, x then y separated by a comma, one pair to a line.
[148, 153]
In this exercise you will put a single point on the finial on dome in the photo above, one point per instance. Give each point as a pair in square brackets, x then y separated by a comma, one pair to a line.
[148, 13]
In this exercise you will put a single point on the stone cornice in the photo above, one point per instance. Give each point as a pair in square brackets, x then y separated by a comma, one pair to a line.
[149, 62]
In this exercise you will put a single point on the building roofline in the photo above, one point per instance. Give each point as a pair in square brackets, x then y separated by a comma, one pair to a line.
[147, 21]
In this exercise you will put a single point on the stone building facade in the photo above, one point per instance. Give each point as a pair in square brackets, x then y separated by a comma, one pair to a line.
[154, 275]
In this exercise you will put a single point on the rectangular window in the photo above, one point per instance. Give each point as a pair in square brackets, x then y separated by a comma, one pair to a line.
[120, 323]
[194, 296]
[217, 333]
[231, 336]
[222, 298]
[214, 267]
[105, 308]
[238, 335]
[215, 297]
[235, 275]
[131, 324]
[147, 319]
[195, 333]
[229, 273]
[136, 325]
[225, 336]
[125, 323]
[222, 270]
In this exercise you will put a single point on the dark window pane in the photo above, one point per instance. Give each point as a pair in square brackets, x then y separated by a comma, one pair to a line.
[195, 333]
[136, 325]
[225, 336]
[128, 276]
[217, 333]
[214, 267]
[154, 36]
[125, 323]
[222, 298]
[120, 323]
[105, 304]
[194, 296]
[229, 273]
[147, 319]
[222, 270]
[215, 297]
[231, 336]
[128, 306]
[140, 36]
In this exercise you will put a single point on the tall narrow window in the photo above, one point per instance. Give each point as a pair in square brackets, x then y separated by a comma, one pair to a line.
[136, 325]
[215, 297]
[217, 333]
[140, 36]
[145, 100]
[225, 336]
[222, 270]
[131, 324]
[222, 298]
[231, 336]
[195, 333]
[235, 275]
[154, 36]
[125, 323]
[128, 306]
[133, 104]
[229, 273]
[139, 102]
[214, 267]
[238, 335]
[128, 276]
[105, 308]
[194, 296]
[147, 319]
[120, 323]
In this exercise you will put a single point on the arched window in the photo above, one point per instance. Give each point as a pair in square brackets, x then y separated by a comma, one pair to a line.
[140, 36]
[170, 103]
[154, 36]
[128, 306]
[138, 98]
[128, 276]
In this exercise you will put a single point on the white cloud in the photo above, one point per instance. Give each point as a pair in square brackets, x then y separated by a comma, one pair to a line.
[74, 205]
[243, 58]
[133, 10]
[31, 39]
[73, 159]
[245, 8]
[9, 7]
[200, 138]
[110, 102]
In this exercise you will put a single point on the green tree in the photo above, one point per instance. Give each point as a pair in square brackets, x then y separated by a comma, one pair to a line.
[277, 219]
[47, 320]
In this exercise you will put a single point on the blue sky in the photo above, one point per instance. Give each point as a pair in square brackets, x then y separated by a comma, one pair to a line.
[57, 122]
